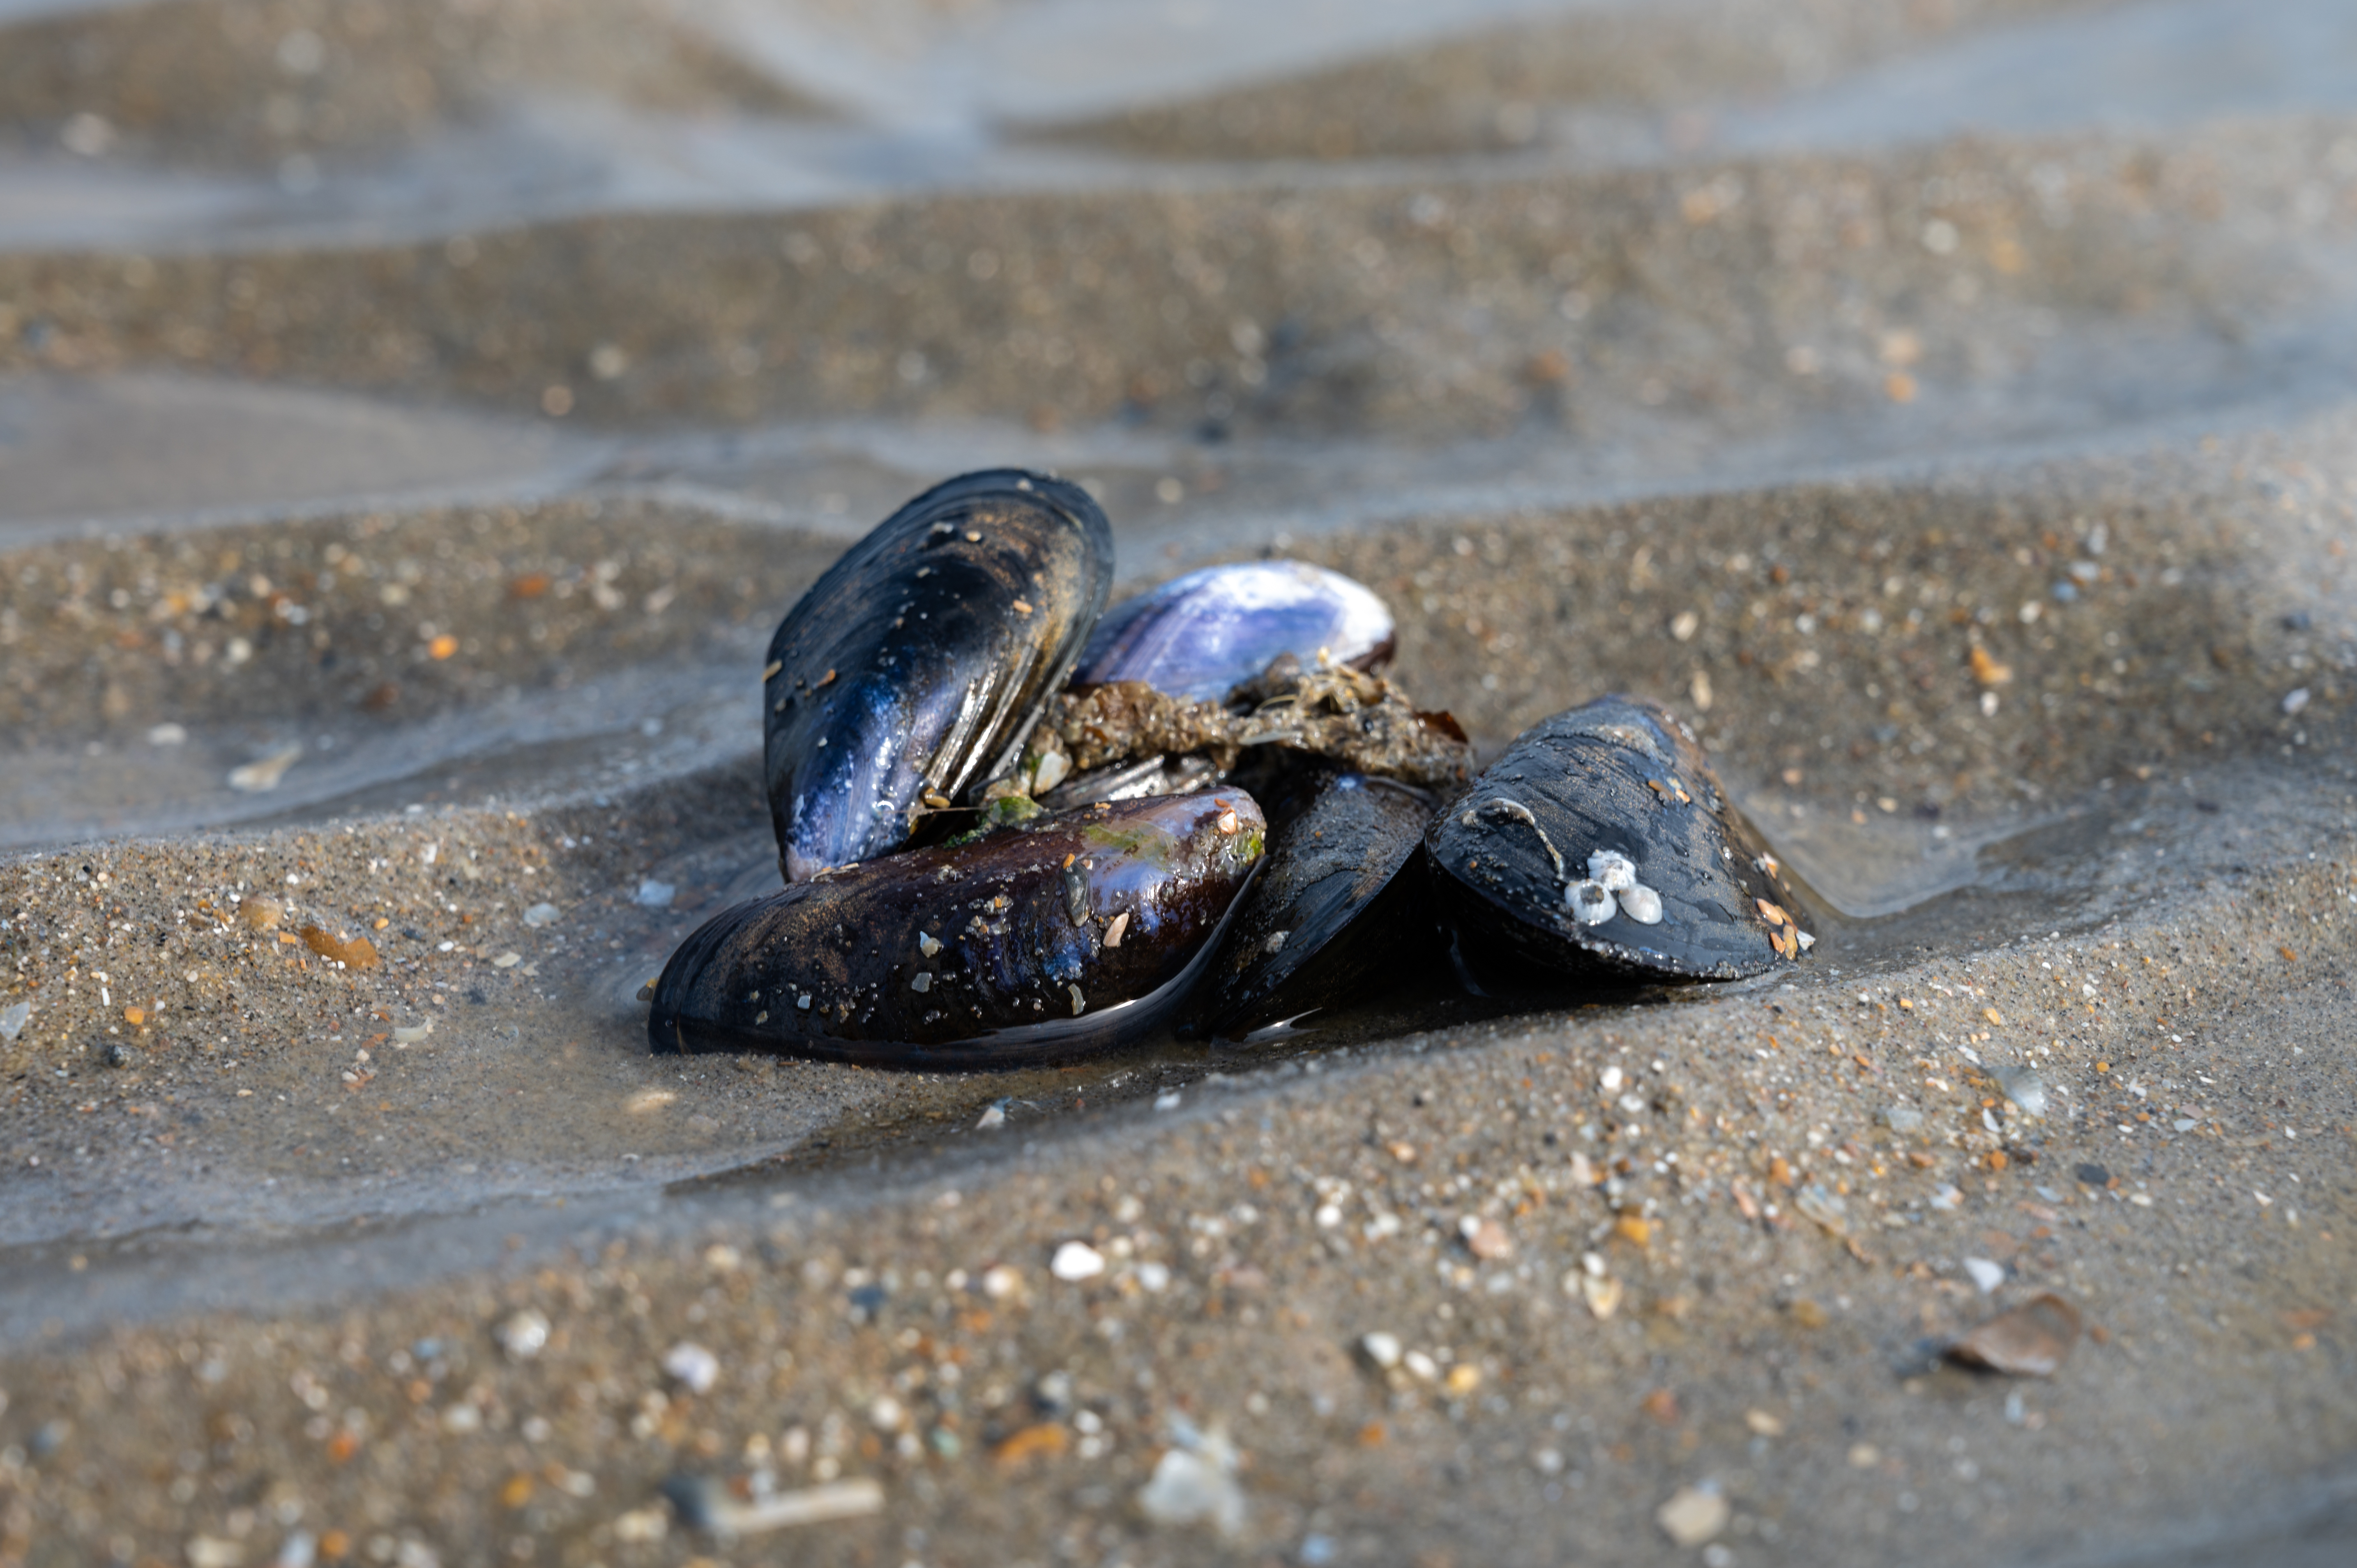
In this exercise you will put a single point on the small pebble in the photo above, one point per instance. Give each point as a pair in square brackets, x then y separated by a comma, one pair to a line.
[540, 915]
[1485, 1239]
[525, 1335]
[1986, 1274]
[1902, 1119]
[697, 1368]
[655, 895]
[1693, 1515]
[1381, 1350]
[1077, 1261]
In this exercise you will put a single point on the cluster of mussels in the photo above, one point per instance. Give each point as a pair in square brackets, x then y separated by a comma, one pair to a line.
[1016, 827]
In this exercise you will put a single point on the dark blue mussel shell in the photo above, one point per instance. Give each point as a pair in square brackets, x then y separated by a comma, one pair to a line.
[1339, 911]
[1618, 776]
[1071, 933]
[920, 661]
[1201, 635]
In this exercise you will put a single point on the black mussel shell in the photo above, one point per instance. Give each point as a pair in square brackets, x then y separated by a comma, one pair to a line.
[1339, 911]
[917, 665]
[1600, 847]
[1068, 934]
[1201, 635]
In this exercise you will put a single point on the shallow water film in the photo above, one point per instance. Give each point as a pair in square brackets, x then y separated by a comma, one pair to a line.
[416, 420]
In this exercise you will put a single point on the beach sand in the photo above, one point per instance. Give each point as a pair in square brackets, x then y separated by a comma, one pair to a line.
[389, 539]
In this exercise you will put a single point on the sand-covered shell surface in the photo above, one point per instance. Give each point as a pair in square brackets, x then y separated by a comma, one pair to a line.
[1065, 934]
[915, 666]
[1599, 847]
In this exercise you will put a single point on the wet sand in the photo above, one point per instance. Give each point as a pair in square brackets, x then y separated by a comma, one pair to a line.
[1984, 499]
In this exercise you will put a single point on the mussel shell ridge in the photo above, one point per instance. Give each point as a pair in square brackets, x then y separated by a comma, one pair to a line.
[918, 663]
[1035, 942]
[1617, 776]
[1338, 911]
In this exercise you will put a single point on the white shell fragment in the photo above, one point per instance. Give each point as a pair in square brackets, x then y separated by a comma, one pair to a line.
[1196, 1485]
[264, 773]
[525, 1335]
[706, 1505]
[1612, 869]
[1076, 1261]
[1590, 903]
[1642, 905]
[697, 1368]
[2025, 1089]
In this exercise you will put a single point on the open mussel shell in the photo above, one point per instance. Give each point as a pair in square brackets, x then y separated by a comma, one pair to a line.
[1337, 912]
[1600, 847]
[918, 663]
[1201, 635]
[1069, 934]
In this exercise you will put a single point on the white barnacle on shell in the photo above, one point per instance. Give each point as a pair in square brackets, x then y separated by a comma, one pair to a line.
[1612, 869]
[1641, 904]
[1590, 903]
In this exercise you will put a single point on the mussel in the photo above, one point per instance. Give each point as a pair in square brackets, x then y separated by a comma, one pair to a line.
[1060, 935]
[916, 666]
[1198, 636]
[1112, 874]
[1340, 907]
[1598, 846]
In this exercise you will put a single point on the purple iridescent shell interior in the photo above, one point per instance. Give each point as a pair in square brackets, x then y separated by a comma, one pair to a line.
[1200, 635]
